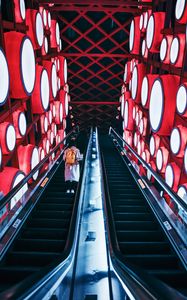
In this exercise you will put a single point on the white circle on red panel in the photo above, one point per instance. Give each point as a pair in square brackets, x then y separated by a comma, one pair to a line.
[156, 105]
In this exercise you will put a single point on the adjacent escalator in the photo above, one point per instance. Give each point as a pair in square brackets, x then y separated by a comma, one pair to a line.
[140, 237]
[44, 235]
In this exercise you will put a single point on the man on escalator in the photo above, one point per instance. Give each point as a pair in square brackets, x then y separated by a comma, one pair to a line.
[72, 157]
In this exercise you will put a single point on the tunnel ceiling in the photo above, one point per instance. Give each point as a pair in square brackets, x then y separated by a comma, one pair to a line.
[95, 38]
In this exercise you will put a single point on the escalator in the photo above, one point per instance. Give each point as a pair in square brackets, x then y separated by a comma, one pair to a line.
[43, 238]
[140, 238]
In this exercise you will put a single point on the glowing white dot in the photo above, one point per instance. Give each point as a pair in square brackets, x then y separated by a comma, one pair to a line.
[141, 22]
[10, 137]
[150, 32]
[22, 124]
[185, 160]
[50, 116]
[126, 114]
[46, 45]
[18, 177]
[22, 8]
[174, 50]
[66, 104]
[152, 145]
[65, 71]
[28, 67]
[131, 38]
[34, 161]
[182, 192]
[45, 89]
[144, 91]
[61, 112]
[145, 19]
[45, 124]
[179, 8]
[125, 73]
[175, 141]
[57, 34]
[0, 156]
[54, 80]
[163, 49]
[39, 29]
[134, 82]
[4, 82]
[156, 105]
[181, 99]
[169, 176]
[44, 15]
[159, 159]
[49, 19]
[143, 47]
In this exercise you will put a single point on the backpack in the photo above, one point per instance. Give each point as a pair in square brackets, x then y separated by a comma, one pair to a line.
[70, 156]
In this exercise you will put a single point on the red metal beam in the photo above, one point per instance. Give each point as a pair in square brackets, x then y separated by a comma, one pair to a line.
[94, 103]
[125, 3]
[62, 8]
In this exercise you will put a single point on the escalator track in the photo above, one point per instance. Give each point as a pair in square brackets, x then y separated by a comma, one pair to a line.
[43, 238]
[141, 240]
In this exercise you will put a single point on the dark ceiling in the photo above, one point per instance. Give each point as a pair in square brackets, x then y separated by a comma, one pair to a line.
[95, 38]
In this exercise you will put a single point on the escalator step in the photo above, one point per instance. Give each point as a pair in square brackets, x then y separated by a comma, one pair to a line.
[54, 206]
[144, 247]
[131, 208]
[39, 245]
[13, 274]
[156, 261]
[40, 233]
[140, 235]
[54, 215]
[134, 225]
[48, 223]
[122, 216]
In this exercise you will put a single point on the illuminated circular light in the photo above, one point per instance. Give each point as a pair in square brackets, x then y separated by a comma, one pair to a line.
[65, 70]
[54, 111]
[185, 160]
[150, 32]
[141, 126]
[19, 177]
[137, 119]
[144, 91]
[174, 51]
[59, 84]
[0, 157]
[143, 47]
[144, 155]
[125, 73]
[50, 116]
[60, 45]
[4, 82]
[22, 124]
[61, 112]
[10, 137]
[156, 105]
[66, 104]
[122, 105]
[44, 15]
[45, 124]
[45, 89]
[182, 193]
[134, 82]
[22, 8]
[39, 29]
[42, 154]
[49, 19]
[47, 146]
[28, 68]
[152, 145]
[175, 141]
[159, 159]
[35, 161]
[57, 34]
[169, 176]
[131, 38]
[141, 22]
[181, 100]
[54, 80]
[179, 9]
[163, 49]
[46, 45]
[149, 173]
[126, 114]
[146, 15]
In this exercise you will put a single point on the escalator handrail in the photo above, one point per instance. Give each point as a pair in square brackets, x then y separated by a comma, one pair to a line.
[147, 284]
[7, 198]
[31, 286]
[158, 178]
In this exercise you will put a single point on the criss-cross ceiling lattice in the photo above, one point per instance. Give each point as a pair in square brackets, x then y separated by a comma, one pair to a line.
[95, 38]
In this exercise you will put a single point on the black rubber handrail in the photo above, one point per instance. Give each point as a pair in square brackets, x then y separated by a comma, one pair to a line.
[158, 178]
[9, 196]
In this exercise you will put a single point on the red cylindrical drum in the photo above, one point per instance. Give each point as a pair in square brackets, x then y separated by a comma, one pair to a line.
[21, 62]
[143, 126]
[127, 72]
[35, 27]
[182, 192]
[162, 104]
[154, 27]
[140, 146]
[40, 96]
[19, 9]
[54, 129]
[178, 140]
[7, 137]
[50, 137]
[44, 123]
[136, 138]
[41, 153]
[177, 50]
[55, 34]
[45, 46]
[144, 49]
[63, 70]
[172, 175]
[146, 155]
[135, 35]
[28, 158]
[128, 114]
[46, 145]
[138, 74]
[20, 123]
[1, 157]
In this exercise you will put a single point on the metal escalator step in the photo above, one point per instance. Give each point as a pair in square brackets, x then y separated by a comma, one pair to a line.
[51, 215]
[126, 216]
[135, 225]
[156, 261]
[144, 247]
[25, 244]
[48, 223]
[58, 200]
[131, 208]
[13, 274]
[54, 206]
[174, 277]
[140, 235]
[127, 202]
[50, 233]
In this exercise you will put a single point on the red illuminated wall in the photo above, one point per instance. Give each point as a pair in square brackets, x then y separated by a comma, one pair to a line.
[154, 93]
[33, 90]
